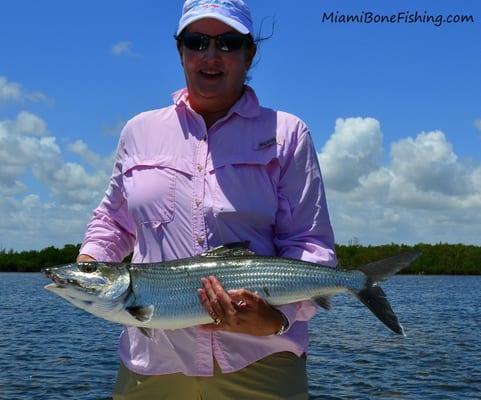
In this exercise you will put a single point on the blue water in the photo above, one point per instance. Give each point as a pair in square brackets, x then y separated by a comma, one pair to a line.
[50, 350]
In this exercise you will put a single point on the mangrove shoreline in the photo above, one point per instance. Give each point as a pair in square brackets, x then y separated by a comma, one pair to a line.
[435, 259]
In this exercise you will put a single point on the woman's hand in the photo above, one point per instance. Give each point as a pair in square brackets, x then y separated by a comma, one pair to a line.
[84, 258]
[239, 311]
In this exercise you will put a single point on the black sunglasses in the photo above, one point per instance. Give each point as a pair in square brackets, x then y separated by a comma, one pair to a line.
[226, 42]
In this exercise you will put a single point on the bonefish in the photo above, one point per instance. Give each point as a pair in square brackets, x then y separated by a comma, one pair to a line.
[164, 295]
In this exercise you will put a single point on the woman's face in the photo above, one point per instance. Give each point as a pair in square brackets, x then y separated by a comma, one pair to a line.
[215, 79]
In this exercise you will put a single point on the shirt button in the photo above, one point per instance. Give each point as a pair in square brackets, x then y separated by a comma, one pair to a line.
[199, 168]
[197, 203]
[200, 240]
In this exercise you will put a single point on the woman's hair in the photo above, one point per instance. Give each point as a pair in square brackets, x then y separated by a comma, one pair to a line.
[256, 42]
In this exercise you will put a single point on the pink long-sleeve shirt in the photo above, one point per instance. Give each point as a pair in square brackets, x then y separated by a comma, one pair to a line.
[178, 189]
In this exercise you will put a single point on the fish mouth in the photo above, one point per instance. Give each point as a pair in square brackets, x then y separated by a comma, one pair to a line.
[53, 287]
[58, 281]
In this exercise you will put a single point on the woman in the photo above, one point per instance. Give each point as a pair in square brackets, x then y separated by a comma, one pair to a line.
[215, 168]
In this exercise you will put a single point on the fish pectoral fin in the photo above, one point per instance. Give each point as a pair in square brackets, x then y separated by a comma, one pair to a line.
[147, 332]
[141, 313]
[230, 250]
[323, 301]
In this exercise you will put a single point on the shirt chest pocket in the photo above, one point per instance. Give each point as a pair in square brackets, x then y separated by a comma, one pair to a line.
[150, 189]
[244, 186]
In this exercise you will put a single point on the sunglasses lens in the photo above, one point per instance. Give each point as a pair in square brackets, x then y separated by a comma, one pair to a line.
[230, 41]
[195, 41]
[225, 42]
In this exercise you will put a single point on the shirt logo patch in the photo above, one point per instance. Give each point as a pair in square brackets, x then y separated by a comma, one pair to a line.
[266, 143]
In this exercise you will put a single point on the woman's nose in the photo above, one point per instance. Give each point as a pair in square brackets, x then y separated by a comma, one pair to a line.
[212, 51]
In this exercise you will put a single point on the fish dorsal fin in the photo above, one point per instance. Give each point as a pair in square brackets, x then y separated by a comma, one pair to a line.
[230, 250]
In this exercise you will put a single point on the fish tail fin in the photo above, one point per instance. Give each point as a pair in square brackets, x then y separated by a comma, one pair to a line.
[374, 297]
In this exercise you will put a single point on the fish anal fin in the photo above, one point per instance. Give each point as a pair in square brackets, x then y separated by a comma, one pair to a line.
[230, 250]
[141, 313]
[323, 301]
[147, 332]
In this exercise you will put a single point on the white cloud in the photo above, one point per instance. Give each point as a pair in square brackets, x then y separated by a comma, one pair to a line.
[26, 123]
[353, 150]
[28, 220]
[424, 193]
[9, 90]
[123, 48]
[31, 223]
[12, 91]
[71, 184]
[429, 162]
[31, 201]
[115, 128]
[80, 148]
[11, 188]
[477, 124]
[23, 147]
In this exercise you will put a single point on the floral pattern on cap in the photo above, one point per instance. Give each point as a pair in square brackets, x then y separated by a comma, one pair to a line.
[234, 13]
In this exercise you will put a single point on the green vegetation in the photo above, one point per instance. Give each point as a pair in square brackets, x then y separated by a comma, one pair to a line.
[439, 258]
[34, 261]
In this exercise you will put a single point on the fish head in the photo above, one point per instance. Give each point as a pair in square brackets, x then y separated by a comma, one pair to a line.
[92, 286]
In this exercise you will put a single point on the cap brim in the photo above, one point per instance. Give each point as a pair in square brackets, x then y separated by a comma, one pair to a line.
[226, 20]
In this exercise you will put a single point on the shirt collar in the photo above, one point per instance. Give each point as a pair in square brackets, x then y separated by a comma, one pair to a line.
[247, 106]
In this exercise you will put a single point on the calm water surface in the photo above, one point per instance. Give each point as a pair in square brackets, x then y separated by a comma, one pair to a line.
[50, 350]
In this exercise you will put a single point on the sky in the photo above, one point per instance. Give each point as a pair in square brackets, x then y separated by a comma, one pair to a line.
[394, 108]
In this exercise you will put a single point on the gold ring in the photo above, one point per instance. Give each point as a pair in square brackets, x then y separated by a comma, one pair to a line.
[214, 317]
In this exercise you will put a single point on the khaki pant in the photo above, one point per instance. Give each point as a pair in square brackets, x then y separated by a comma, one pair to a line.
[278, 376]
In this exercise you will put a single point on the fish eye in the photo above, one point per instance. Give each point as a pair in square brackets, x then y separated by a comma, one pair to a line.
[87, 268]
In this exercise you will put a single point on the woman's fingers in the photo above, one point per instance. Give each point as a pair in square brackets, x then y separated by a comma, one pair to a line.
[217, 302]
[207, 305]
[212, 299]
[244, 296]
[239, 310]
[84, 258]
[222, 297]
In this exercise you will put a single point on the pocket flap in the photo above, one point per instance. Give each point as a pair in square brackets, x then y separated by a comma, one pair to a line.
[163, 161]
[254, 156]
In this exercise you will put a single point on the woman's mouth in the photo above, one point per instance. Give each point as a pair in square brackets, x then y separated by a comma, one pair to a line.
[211, 75]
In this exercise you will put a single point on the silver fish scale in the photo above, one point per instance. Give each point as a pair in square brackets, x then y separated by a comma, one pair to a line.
[171, 287]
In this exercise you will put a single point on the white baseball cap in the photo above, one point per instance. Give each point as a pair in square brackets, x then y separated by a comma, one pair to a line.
[234, 13]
